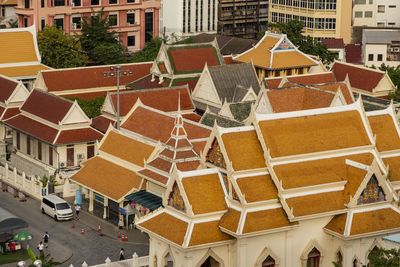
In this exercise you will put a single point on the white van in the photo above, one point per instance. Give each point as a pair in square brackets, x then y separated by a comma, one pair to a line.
[56, 207]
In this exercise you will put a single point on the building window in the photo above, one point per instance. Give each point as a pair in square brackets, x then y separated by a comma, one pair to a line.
[28, 145]
[90, 150]
[196, 25]
[50, 156]
[39, 150]
[184, 16]
[130, 1]
[131, 40]
[392, 6]
[310, 23]
[330, 24]
[59, 23]
[201, 15]
[339, 259]
[370, 57]
[76, 23]
[41, 3]
[355, 263]
[27, 4]
[209, 15]
[59, 2]
[381, 9]
[113, 20]
[43, 23]
[391, 23]
[189, 16]
[331, 4]
[320, 4]
[380, 24]
[113, 2]
[70, 155]
[358, 14]
[380, 57]
[360, 2]
[313, 258]
[319, 23]
[277, 73]
[25, 22]
[368, 14]
[76, 3]
[268, 262]
[148, 26]
[213, 17]
[94, 2]
[130, 18]
[18, 141]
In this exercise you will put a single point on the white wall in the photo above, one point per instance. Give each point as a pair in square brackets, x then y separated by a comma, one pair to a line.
[369, 6]
[391, 15]
[375, 49]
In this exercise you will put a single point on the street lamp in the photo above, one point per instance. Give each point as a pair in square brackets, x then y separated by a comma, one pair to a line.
[117, 70]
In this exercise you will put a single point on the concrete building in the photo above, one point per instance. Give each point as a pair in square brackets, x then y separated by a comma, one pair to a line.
[322, 19]
[135, 21]
[381, 46]
[242, 18]
[388, 13]
[188, 17]
[364, 13]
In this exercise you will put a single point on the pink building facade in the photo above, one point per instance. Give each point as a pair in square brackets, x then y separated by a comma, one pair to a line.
[135, 20]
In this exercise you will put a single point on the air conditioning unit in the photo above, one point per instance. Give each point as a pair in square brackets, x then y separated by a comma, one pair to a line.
[81, 156]
[74, 26]
[63, 164]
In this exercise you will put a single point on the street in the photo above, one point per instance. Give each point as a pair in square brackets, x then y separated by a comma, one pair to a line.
[68, 244]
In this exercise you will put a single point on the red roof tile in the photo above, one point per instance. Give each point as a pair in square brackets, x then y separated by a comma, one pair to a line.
[353, 53]
[1, 111]
[190, 82]
[153, 175]
[46, 106]
[146, 83]
[188, 166]
[229, 60]
[159, 125]
[7, 88]
[10, 112]
[78, 135]
[92, 77]
[101, 123]
[307, 79]
[333, 43]
[359, 77]
[192, 116]
[193, 58]
[32, 127]
[165, 99]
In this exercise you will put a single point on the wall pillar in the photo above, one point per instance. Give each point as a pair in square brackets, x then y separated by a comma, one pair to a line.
[156, 23]
[242, 252]
[91, 199]
[105, 207]
[142, 28]
[67, 23]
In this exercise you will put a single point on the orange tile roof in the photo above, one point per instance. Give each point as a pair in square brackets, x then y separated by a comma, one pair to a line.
[306, 79]
[374, 221]
[244, 150]
[206, 233]
[22, 71]
[265, 220]
[387, 137]
[158, 125]
[321, 171]
[290, 59]
[167, 226]
[316, 203]
[394, 167]
[96, 173]
[320, 132]
[337, 223]
[129, 149]
[17, 47]
[257, 188]
[213, 201]
[230, 220]
[334, 87]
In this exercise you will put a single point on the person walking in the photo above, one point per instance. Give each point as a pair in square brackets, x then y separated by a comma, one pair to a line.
[121, 254]
[77, 209]
[46, 239]
[40, 247]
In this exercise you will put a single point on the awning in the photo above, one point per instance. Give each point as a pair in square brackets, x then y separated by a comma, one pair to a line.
[10, 222]
[145, 199]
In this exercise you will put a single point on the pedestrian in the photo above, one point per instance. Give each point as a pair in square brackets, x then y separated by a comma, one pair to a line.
[40, 247]
[121, 254]
[46, 239]
[77, 208]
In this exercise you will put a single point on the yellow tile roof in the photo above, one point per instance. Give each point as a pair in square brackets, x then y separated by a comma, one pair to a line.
[257, 188]
[207, 232]
[107, 178]
[167, 226]
[17, 47]
[230, 220]
[314, 133]
[316, 203]
[195, 188]
[320, 171]
[129, 149]
[23, 70]
[373, 221]
[394, 168]
[337, 223]
[387, 137]
[244, 150]
[261, 56]
[265, 220]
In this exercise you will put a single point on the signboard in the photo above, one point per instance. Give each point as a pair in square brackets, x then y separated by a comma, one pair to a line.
[78, 197]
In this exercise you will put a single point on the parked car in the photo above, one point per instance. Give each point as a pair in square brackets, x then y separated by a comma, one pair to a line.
[56, 207]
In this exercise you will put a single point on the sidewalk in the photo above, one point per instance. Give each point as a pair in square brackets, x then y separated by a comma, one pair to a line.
[135, 236]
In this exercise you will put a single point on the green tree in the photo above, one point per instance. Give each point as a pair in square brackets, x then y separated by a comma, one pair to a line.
[149, 51]
[97, 37]
[60, 50]
[293, 29]
[384, 257]
[394, 74]
[91, 107]
[47, 260]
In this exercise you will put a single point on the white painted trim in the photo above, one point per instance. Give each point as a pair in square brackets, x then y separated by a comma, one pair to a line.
[313, 191]
[194, 173]
[238, 176]
[357, 165]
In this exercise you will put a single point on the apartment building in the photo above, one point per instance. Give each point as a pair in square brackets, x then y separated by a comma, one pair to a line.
[388, 13]
[188, 17]
[321, 18]
[135, 20]
[242, 18]
[364, 13]
[381, 46]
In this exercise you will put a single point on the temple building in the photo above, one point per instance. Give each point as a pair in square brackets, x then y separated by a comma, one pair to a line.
[303, 188]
